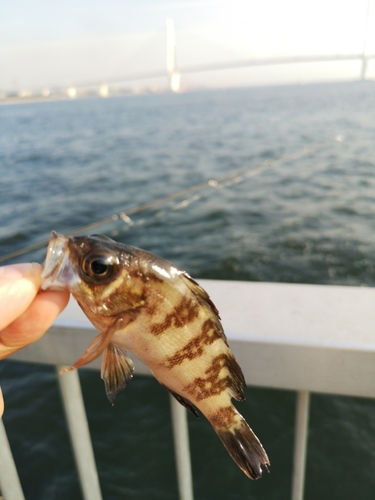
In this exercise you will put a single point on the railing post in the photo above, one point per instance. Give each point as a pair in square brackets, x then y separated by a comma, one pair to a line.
[182, 450]
[80, 435]
[9, 481]
[300, 444]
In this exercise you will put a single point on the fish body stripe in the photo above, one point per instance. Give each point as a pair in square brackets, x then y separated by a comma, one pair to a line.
[183, 314]
[197, 345]
[223, 374]
[225, 418]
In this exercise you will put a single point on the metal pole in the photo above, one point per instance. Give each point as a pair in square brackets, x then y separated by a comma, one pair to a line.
[300, 444]
[80, 435]
[182, 450]
[9, 481]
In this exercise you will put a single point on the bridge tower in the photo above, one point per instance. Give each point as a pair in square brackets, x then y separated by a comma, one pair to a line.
[364, 58]
[173, 75]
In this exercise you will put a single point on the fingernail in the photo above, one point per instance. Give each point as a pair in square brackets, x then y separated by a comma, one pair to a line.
[17, 271]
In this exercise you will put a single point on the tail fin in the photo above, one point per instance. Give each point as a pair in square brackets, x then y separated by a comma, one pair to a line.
[245, 449]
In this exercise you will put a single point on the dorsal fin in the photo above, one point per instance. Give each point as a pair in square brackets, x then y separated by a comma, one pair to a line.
[198, 290]
[204, 299]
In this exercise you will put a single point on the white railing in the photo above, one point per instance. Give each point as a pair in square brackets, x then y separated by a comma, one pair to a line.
[300, 337]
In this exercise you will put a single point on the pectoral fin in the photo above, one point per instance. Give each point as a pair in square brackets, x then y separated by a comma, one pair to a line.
[97, 346]
[94, 350]
[117, 369]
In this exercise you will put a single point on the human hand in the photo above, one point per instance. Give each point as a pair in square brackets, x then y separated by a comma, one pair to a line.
[25, 312]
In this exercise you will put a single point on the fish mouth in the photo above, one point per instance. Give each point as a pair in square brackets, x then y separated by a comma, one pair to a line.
[58, 272]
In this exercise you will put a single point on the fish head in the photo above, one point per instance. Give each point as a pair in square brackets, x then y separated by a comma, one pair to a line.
[96, 270]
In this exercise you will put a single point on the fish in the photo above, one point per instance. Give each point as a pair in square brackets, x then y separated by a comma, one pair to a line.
[142, 303]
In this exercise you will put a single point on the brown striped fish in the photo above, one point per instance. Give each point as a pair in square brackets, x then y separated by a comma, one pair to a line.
[143, 303]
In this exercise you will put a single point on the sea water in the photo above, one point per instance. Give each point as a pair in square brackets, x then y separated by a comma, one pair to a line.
[304, 219]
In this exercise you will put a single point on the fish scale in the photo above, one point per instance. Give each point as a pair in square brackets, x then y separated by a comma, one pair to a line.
[143, 303]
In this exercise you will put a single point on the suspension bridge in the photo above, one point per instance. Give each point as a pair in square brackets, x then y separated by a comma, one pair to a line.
[172, 73]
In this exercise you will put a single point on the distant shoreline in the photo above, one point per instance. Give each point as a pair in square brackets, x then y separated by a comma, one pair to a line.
[56, 98]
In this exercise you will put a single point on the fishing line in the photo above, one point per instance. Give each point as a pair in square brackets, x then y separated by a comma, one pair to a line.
[223, 181]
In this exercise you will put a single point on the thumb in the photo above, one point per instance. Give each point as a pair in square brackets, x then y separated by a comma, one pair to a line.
[19, 285]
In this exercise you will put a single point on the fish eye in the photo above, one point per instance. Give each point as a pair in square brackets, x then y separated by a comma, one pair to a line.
[98, 266]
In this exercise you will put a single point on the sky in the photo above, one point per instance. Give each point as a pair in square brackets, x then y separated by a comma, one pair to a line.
[45, 42]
